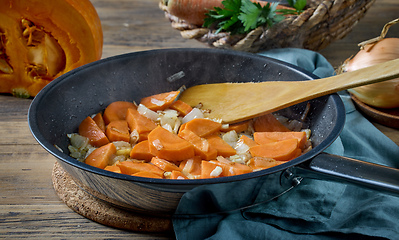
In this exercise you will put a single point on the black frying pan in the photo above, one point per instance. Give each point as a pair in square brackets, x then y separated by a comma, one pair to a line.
[60, 107]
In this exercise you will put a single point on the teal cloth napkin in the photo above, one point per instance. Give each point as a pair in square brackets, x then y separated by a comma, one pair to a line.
[315, 209]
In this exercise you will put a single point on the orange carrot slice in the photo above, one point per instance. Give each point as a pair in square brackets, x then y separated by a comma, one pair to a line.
[88, 128]
[160, 101]
[269, 123]
[257, 163]
[191, 166]
[202, 147]
[182, 107]
[231, 168]
[178, 175]
[98, 118]
[238, 127]
[169, 146]
[147, 175]
[117, 111]
[282, 150]
[267, 137]
[113, 168]
[132, 167]
[139, 123]
[210, 170]
[247, 141]
[118, 130]
[101, 156]
[202, 127]
[239, 168]
[141, 151]
[222, 147]
[164, 164]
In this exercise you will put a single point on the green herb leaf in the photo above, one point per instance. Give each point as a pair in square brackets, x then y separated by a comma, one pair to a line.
[254, 15]
[242, 16]
[299, 5]
[225, 18]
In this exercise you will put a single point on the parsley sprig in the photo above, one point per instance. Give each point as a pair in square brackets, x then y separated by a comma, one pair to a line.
[242, 16]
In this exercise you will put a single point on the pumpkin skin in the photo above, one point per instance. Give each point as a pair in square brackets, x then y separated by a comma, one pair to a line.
[41, 40]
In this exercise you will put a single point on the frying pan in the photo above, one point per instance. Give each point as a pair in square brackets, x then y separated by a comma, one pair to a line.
[60, 107]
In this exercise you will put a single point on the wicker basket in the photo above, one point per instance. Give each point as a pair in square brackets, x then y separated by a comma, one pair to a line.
[322, 22]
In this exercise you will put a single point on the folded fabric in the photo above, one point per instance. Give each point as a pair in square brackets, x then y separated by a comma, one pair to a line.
[315, 209]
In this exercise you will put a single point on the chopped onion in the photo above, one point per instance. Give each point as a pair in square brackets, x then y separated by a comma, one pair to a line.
[169, 119]
[241, 147]
[194, 113]
[78, 141]
[216, 172]
[231, 138]
[148, 113]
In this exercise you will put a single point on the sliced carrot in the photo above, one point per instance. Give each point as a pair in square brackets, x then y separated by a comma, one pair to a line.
[239, 168]
[247, 141]
[113, 168]
[269, 123]
[160, 101]
[147, 175]
[139, 123]
[222, 147]
[202, 127]
[231, 168]
[98, 118]
[101, 156]
[89, 128]
[297, 154]
[191, 166]
[257, 163]
[202, 147]
[117, 111]
[226, 167]
[281, 150]
[118, 130]
[141, 151]
[164, 164]
[178, 175]
[132, 167]
[261, 138]
[238, 127]
[210, 170]
[266, 137]
[169, 146]
[182, 107]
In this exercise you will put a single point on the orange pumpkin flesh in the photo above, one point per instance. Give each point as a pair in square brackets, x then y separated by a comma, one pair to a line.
[41, 40]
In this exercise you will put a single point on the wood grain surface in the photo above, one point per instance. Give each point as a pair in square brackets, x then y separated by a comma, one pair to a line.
[29, 206]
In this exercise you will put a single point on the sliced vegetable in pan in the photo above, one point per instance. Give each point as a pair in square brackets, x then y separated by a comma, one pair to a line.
[154, 147]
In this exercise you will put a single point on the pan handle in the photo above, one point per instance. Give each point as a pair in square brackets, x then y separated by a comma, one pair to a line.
[343, 169]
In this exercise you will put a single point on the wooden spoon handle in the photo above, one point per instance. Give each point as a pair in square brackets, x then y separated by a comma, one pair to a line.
[233, 102]
[377, 73]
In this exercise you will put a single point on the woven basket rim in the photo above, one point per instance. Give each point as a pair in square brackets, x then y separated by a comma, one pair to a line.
[321, 23]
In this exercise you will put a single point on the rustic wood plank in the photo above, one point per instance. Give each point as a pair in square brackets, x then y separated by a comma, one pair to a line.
[57, 221]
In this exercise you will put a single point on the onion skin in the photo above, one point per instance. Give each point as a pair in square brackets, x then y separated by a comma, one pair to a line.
[383, 94]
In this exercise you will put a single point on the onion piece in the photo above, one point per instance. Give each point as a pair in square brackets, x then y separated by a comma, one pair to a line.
[383, 94]
[148, 113]
[194, 113]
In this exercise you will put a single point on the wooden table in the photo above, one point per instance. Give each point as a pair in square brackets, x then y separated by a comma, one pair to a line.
[29, 206]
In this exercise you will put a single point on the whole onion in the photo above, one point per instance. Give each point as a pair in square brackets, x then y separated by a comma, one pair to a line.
[383, 94]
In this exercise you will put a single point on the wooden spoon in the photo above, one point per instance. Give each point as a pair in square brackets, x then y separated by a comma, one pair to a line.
[234, 102]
